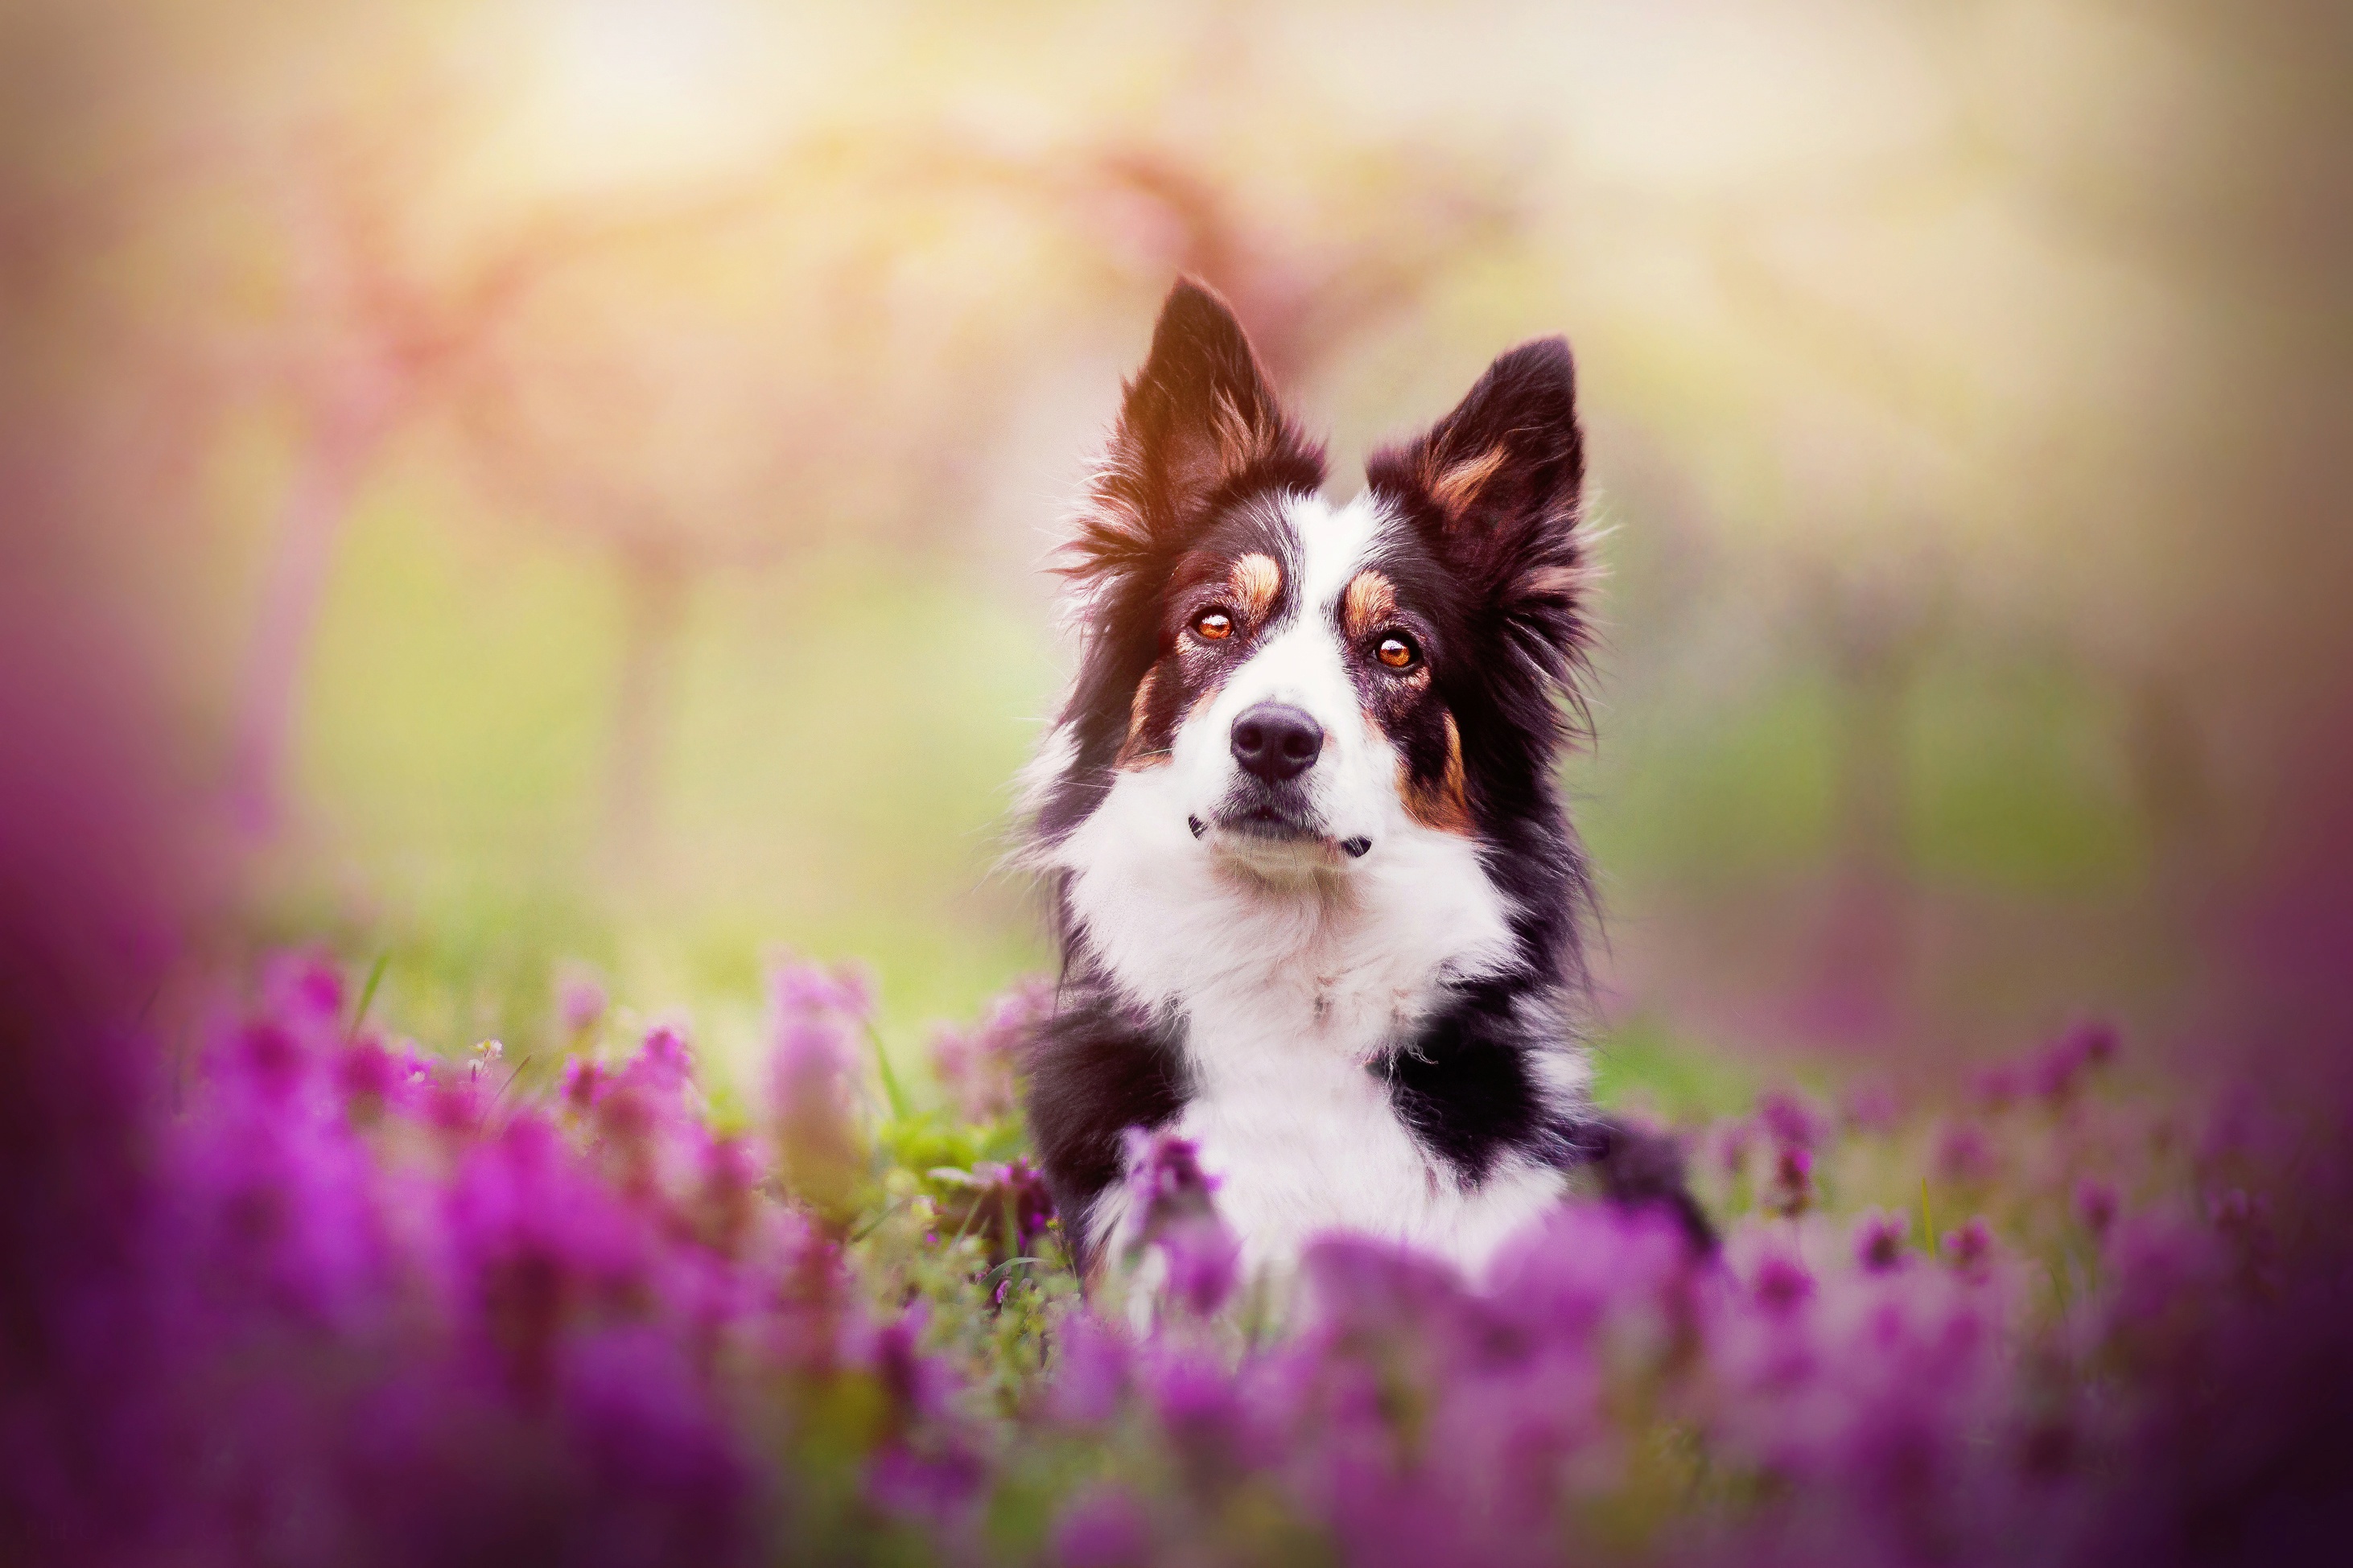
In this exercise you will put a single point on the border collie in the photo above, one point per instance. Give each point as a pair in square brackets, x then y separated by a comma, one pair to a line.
[1318, 903]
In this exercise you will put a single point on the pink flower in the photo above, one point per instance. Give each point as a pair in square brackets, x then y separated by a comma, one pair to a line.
[1169, 1196]
[580, 1001]
[1879, 1241]
[1969, 1249]
[1791, 1190]
[1780, 1283]
[1790, 1120]
[979, 1067]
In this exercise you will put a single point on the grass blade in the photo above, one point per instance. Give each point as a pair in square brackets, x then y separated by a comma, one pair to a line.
[890, 1090]
[367, 996]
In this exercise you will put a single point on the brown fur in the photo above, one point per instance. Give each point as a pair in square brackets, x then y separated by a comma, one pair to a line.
[1459, 484]
[1444, 805]
[1134, 754]
[1368, 604]
[1255, 581]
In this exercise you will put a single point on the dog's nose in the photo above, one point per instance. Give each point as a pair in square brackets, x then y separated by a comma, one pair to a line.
[1277, 741]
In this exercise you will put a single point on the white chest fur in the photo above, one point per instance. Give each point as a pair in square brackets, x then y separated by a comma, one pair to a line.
[1288, 990]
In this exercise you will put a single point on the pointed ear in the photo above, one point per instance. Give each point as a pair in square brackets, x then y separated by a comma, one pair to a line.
[1199, 425]
[1494, 489]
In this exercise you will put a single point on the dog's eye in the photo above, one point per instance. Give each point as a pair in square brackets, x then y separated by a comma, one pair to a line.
[1397, 651]
[1213, 626]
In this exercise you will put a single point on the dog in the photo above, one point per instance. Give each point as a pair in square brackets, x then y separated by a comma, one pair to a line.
[1320, 909]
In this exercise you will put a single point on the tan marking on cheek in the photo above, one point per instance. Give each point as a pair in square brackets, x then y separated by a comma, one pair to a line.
[1457, 486]
[1368, 604]
[1255, 582]
[1445, 804]
[1134, 754]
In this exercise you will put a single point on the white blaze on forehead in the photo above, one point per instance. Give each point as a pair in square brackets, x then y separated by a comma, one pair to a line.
[1303, 663]
[1334, 547]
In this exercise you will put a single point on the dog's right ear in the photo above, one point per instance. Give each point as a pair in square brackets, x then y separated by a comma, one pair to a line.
[1199, 426]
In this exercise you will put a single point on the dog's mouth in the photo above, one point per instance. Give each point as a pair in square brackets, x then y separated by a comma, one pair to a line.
[1258, 829]
[1266, 819]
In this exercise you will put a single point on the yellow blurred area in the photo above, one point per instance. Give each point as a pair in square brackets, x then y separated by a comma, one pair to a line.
[583, 471]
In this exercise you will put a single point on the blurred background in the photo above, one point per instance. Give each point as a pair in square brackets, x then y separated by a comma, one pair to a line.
[566, 484]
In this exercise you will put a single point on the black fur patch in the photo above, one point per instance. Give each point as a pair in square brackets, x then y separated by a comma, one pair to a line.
[1097, 1068]
[1464, 1086]
[1639, 1169]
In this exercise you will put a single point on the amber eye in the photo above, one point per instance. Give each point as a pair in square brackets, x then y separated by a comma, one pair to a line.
[1213, 626]
[1397, 651]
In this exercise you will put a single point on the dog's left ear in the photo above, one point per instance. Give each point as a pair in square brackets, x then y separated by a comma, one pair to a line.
[1494, 489]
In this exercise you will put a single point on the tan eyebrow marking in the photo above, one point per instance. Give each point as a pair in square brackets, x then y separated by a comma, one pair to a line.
[1132, 754]
[1455, 489]
[1369, 604]
[1256, 579]
[1443, 805]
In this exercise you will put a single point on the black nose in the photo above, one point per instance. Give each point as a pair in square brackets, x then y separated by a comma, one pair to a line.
[1276, 741]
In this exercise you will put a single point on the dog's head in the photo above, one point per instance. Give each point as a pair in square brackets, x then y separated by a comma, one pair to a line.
[1300, 684]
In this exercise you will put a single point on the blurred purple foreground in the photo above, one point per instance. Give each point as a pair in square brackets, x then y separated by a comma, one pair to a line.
[286, 1295]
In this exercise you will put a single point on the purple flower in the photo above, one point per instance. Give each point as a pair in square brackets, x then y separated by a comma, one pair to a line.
[844, 992]
[1016, 1191]
[1879, 1241]
[1790, 1120]
[2060, 1067]
[1202, 1414]
[650, 1433]
[584, 1084]
[1969, 1249]
[1174, 1215]
[305, 1299]
[979, 1067]
[1204, 1262]
[265, 1059]
[580, 1001]
[303, 990]
[1791, 1189]
[1780, 1283]
[1007, 1204]
[1091, 1371]
[925, 1468]
[662, 1068]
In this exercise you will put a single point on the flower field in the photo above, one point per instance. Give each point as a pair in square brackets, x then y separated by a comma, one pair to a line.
[311, 1295]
